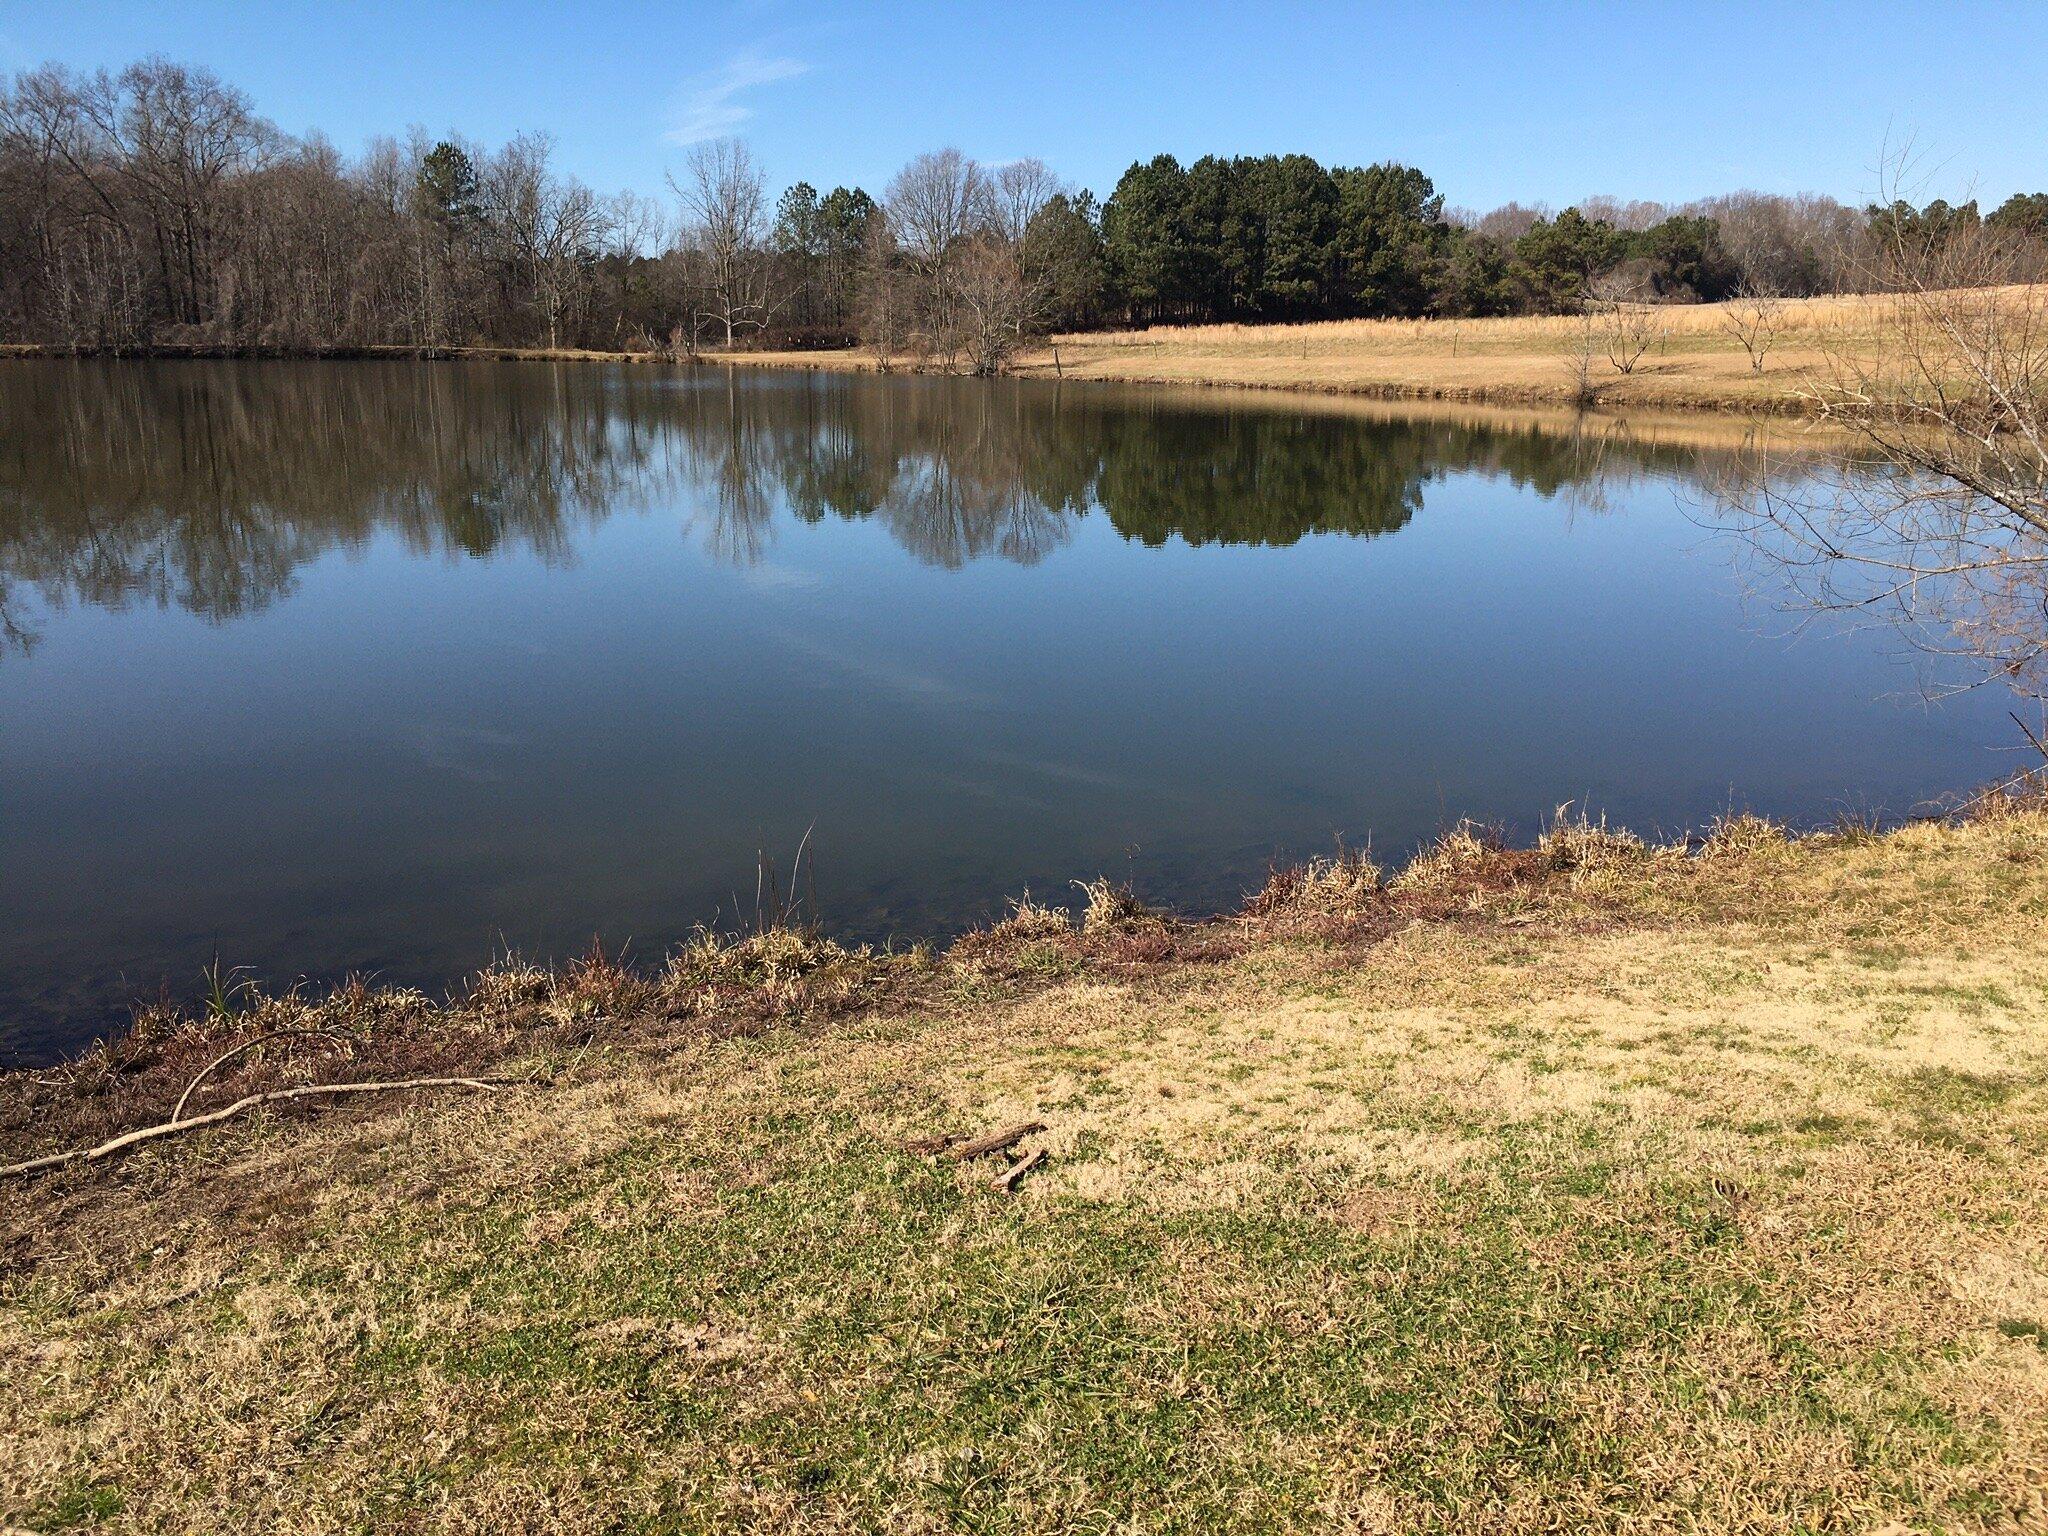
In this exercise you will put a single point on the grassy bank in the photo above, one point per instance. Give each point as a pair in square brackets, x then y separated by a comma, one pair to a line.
[1695, 361]
[1586, 1187]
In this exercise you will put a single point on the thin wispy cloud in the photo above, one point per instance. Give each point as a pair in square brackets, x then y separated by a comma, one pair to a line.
[709, 107]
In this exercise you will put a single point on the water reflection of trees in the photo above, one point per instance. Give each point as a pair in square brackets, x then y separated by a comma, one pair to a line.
[207, 486]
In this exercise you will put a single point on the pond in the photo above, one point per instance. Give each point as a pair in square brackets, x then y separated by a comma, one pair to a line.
[383, 667]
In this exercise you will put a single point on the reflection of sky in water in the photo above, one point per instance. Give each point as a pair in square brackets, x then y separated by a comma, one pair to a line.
[979, 636]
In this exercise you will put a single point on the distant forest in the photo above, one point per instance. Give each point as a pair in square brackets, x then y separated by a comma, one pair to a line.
[154, 208]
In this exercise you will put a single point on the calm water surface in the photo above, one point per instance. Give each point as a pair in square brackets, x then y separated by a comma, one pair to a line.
[333, 667]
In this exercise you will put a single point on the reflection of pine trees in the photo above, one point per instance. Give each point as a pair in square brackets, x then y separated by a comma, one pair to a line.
[206, 486]
[956, 471]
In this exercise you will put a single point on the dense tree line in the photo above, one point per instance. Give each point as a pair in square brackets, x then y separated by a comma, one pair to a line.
[155, 207]
[1281, 238]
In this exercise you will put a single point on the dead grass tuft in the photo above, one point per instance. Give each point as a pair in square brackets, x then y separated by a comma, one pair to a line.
[1344, 888]
[779, 970]
[2021, 797]
[1743, 835]
[1028, 922]
[1577, 844]
[598, 985]
[1448, 864]
[509, 985]
[1114, 908]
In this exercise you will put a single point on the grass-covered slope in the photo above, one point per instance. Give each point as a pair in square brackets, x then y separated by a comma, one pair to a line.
[1581, 1188]
[1694, 360]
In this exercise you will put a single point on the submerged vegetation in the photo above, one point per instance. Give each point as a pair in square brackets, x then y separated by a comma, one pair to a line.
[1591, 1184]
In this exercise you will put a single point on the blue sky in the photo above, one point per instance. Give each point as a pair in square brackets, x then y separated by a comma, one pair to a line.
[1495, 101]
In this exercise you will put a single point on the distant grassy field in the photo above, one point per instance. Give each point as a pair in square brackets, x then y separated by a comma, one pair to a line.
[1588, 1188]
[1694, 360]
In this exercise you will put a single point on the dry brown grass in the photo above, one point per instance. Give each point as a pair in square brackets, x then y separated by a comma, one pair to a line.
[1029, 921]
[1345, 886]
[1113, 907]
[1694, 360]
[1606, 1188]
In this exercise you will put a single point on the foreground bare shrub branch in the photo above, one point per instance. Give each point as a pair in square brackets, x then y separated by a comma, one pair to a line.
[1941, 522]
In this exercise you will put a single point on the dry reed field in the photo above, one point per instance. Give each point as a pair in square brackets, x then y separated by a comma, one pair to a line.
[1694, 359]
[1587, 1187]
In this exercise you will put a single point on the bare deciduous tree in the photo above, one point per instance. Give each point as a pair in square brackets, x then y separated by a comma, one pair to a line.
[935, 202]
[1942, 522]
[177, 135]
[934, 205]
[724, 197]
[1754, 317]
[1017, 194]
[1628, 322]
[553, 225]
[634, 228]
[1579, 353]
[995, 302]
[883, 300]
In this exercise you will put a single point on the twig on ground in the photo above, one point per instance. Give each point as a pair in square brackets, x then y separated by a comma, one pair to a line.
[227, 1056]
[129, 1139]
[1006, 1182]
[994, 1141]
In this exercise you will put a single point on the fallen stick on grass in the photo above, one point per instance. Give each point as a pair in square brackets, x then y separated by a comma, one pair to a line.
[128, 1139]
[1006, 1183]
[178, 1113]
[994, 1141]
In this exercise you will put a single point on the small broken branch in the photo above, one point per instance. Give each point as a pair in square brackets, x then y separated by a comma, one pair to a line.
[994, 1141]
[1006, 1183]
[178, 1113]
[2039, 746]
[130, 1139]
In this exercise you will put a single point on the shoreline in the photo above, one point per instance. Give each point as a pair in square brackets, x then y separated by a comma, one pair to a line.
[1689, 423]
[1713, 1168]
[775, 966]
[1788, 406]
[1610, 397]
[1703, 360]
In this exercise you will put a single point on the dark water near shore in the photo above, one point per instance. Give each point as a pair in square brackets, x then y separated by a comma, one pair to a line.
[384, 667]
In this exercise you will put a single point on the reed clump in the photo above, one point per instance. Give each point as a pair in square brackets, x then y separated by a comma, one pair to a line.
[1344, 887]
[1743, 834]
[1449, 865]
[1114, 908]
